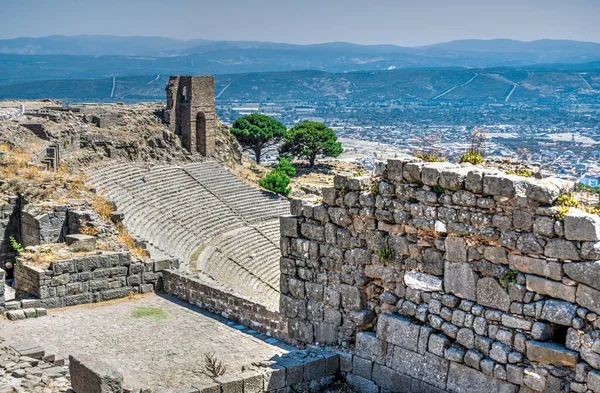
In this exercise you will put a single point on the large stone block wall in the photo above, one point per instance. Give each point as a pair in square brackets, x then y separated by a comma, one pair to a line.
[43, 227]
[447, 278]
[9, 226]
[227, 304]
[88, 279]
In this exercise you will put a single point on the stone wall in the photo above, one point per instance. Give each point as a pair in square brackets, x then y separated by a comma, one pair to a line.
[9, 226]
[312, 372]
[88, 279]
[447, 278]
[218, 301]
[38, 227]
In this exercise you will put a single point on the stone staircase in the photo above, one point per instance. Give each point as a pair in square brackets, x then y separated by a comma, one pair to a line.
[201, 209]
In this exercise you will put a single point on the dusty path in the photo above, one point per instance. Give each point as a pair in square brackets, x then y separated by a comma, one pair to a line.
[152, 352]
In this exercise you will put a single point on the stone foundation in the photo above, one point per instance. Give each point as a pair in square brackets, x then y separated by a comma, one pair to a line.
[226, 304]
[88, 279]
[446, 278]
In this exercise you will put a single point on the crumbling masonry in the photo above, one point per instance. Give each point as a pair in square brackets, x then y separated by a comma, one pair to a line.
[446, 278]
[190, 112]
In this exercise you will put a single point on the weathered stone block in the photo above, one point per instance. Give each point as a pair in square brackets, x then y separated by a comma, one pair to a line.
[428, 367]
[515, 322]
[325, 333]
[352, 298]
[588, 297]
[423, 282]
[498, 184]
[456, 249]
[370, 347]
[362, 367]
[593, 381]
[561, 249]
[361, 384]
[582, 226]
[274, 378]
[462, 379]
[552, 288]
[584, 272]
[393, 381]
[92, 376]
[253, 382]
[558, 312]
[231, 383]
[81, 242]
[398, 331]
[551, 353]
[541, 267]
[460, 280]
[491, 294]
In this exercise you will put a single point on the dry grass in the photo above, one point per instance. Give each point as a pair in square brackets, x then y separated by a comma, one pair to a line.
[88, 230]
[35, 181]
[102, 206]
[125, 239]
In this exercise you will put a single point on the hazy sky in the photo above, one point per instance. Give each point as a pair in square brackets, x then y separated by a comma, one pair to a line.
[401, 22]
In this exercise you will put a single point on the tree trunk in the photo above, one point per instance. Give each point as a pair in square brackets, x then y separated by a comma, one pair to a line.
[311, 161]
[257, 155]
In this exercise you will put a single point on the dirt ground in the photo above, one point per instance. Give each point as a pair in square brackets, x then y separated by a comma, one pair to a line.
[154, 341]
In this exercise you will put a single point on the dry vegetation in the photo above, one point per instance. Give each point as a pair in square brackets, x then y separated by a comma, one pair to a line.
[124, 238]
[34, 181]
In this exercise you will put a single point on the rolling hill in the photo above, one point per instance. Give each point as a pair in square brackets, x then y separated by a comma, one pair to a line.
[547, 84]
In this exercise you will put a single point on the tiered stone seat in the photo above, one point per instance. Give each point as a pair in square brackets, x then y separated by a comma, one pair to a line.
[253, 204]
[202, 208]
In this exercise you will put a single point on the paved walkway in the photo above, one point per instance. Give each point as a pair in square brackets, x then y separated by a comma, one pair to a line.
[162, 354]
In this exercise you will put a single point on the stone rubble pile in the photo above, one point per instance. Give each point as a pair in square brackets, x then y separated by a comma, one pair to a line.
[27, 368]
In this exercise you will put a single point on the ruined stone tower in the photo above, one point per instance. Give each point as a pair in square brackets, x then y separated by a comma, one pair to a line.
[191, 112]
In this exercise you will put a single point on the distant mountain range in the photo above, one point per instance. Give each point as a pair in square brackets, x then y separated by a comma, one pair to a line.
[250, 56]
[109, 68]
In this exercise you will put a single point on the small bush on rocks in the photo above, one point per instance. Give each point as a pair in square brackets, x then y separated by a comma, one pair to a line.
[15, 245]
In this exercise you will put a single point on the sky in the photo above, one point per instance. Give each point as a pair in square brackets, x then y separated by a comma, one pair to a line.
[400, 22]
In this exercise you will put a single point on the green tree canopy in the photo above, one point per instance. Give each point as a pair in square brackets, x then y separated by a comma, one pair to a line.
[310, 139]
[258, 132]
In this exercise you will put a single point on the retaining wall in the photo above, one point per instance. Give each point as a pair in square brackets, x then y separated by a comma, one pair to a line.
[9, 226]
[447, 278]
[227, 304]
[88, 279]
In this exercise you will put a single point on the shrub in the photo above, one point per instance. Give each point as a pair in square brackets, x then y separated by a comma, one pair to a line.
[386, 253]
[562, 212]
[438, 189]
[509, 276]
[567, 200]
[430, 157]
[520, 172]
[284, 165]
[15, 245]
[472, 157]
[375, 188]
[474, 154]
[277, 182]
[213, 366]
